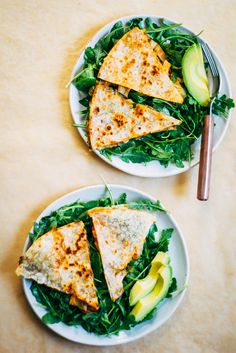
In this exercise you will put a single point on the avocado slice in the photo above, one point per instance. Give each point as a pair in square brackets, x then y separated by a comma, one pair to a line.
[194, 74]
[144, 286]
[146, 304]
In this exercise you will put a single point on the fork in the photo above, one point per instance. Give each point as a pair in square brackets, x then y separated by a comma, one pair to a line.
[204, 173]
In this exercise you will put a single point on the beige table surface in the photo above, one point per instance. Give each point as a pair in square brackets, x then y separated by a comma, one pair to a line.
[43, 157]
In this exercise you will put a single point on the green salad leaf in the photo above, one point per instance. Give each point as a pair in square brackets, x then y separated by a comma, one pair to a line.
[147, 205]
[172, 288]
[164, 239]
[112, 317]
[174, 146]
[222, 105]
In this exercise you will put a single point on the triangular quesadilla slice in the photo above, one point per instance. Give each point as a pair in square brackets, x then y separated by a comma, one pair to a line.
[167, 66]
[114, 119]
[119, 234]
[60, 259]
[133, 63]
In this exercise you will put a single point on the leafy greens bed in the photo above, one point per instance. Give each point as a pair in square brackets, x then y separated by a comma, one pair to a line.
[170, 146]
[112, 317]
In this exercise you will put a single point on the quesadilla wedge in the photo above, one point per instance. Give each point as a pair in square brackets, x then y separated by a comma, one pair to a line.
[167, 66]
[134, 63]
[60, 259]
[114, 119]
[119, 234]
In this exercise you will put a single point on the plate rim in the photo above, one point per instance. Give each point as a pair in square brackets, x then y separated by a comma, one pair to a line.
[153, 327]
[187, 166]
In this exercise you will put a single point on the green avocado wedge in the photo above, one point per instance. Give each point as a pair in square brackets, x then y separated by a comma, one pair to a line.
[194, 74]
[144, 286]
[146, 304]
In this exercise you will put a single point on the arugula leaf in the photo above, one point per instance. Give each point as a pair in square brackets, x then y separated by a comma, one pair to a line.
[135, 22]
[222, 105]
[147, 205]
[117, 31]
[172, 288]
[156, 31]
[84, 102]
[49, 319]
[85, 79]
[90, 55]
[137, 97]
[122, 199]
[164, 240]
[81, 126]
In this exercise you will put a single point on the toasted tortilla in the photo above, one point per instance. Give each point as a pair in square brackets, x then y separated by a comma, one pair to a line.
[119, 234]
[135, 64]
[167, 67]
[60, 259]
[158, 50]
[114, 119]
[123, 90]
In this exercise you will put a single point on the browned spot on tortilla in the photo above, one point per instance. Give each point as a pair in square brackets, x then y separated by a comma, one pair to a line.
[119, 119]
[139, 110]
[154, 70]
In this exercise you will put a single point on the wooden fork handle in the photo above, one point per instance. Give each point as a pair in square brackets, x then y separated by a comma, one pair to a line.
[204, 173]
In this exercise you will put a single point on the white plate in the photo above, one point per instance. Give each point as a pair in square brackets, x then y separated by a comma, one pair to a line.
[153, 168]
[179, 259]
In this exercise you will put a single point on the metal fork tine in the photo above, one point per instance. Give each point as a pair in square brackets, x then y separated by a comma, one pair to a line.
[213, 67]
[206, 51]
[210, 59]
[208, 56]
